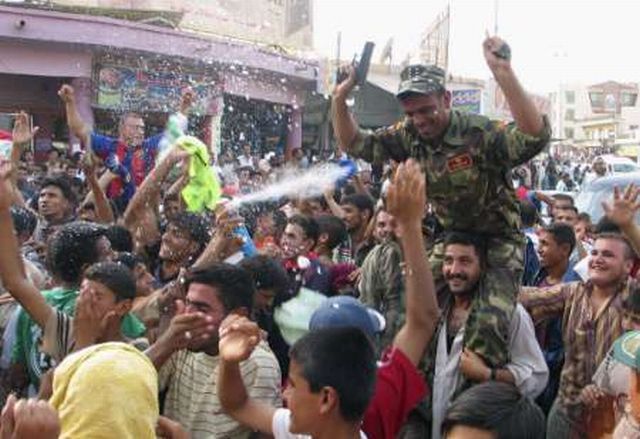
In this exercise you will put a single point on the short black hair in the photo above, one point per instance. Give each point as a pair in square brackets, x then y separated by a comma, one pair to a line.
[563, 197]
[72, 248]
[130, 260]
[341, 358]
[467, 239]
[605, 225]
[360, 201]
[120, 238]
[267, 273]
[528, 213]
[584, 216]
[234, 284]
[117, 277]
[62, 183]
[562, 234]
[335, 229]
[308, 225]
[25, 220]
[195, 225]
[498, 408]
[574, 209]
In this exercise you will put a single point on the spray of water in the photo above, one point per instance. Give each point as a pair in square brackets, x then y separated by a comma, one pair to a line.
[297, 184]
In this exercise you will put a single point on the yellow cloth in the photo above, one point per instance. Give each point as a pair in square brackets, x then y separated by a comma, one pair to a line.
[109, 390]
[203, 190]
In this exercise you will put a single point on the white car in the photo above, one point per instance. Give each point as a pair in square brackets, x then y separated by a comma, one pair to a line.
[619, 165]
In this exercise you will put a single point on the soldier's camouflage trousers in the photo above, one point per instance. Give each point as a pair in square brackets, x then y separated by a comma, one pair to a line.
[487, 328]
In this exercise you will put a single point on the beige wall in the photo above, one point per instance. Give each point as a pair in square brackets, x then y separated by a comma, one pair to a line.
[265, 21]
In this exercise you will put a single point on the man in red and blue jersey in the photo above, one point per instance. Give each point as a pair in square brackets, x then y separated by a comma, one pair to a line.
[130, 156]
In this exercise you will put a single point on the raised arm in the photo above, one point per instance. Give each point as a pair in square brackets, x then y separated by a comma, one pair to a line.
[104, 213]
[344, 125]
[334, 207]
[148, 194]
[21, 136]
[12, 270]
[622, 212]
[524, 112]
[238, 337]
[406, 201]
[77, 126]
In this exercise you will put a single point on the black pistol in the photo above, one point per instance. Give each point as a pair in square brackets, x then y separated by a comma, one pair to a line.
[361, 66]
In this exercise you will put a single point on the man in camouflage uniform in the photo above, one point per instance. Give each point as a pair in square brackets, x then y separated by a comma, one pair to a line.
[381, 283]
[467, 159]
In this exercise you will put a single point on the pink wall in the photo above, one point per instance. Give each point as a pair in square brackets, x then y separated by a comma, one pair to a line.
[44, 60]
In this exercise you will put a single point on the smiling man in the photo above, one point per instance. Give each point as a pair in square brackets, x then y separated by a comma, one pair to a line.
[592, 314]
[465, 158]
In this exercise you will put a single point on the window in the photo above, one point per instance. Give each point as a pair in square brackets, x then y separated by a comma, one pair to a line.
[597, 99]
[570, 114]
[570, 97]
[568, 133]
[629, 99]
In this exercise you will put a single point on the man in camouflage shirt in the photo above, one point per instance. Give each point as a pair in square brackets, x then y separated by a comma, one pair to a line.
[381, 283]
[467, 159]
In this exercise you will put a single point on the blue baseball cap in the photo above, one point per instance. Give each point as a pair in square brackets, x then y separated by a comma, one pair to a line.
[346, 311]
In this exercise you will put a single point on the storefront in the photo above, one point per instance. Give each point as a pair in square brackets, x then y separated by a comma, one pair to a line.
[117, 66]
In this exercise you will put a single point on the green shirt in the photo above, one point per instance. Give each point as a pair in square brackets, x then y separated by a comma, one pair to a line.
[467, 171]
[26, 349]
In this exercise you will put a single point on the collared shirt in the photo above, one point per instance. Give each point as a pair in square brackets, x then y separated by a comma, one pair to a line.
[526, 364]
[465, 170]
[587, 335]
[192, 393]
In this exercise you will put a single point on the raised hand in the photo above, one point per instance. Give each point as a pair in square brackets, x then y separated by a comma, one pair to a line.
[624, 207]
[342, 89]
[67, 94]
[406, 196]
[238, 338]
[88, 163]
[21, 132]
[493, 47]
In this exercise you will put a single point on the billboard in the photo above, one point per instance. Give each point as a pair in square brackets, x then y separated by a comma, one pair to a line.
[469, 101]
[123, 87]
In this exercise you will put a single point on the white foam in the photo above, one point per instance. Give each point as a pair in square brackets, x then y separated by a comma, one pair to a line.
[297, 184]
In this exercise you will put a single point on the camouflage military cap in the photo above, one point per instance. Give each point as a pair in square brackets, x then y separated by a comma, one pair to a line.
[421, 79]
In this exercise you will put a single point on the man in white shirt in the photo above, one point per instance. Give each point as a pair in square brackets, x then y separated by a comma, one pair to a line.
[453, 364]
[598, 170]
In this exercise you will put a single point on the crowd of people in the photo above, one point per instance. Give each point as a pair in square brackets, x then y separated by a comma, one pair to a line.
[424, 296]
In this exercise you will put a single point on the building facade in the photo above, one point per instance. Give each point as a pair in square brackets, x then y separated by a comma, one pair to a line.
[121, 65]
